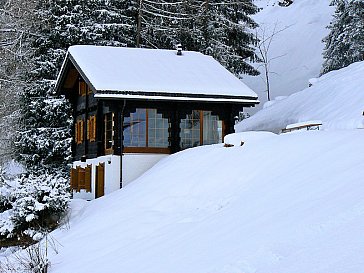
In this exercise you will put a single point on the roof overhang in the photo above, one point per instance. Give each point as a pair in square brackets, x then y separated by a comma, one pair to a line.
[70, 64]
[174, 97]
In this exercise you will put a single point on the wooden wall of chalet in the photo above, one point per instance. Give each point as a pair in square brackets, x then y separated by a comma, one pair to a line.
[85, 106]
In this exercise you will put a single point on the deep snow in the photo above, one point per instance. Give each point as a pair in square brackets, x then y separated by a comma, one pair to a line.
[295, 53]
[336, 98]
[287, 203]
[279, 203]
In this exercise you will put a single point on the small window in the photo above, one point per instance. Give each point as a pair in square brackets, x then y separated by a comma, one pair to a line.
[91, 129]
[79, 131]
[109, 132]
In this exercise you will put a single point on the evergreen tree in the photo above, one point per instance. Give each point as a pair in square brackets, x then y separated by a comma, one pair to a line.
[344, 44]
[221, 30]
[44, 142]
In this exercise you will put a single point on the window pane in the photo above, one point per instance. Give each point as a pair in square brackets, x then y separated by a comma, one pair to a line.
[190, 130]
[135, 129]
[158, 134]
[108, 130]
[212, 128]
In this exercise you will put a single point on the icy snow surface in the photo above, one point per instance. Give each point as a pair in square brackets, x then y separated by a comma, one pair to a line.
[295, 53]
[336, 99]
[156, 70]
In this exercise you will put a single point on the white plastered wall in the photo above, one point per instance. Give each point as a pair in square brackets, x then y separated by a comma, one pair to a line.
[135, 164]
[112, 175]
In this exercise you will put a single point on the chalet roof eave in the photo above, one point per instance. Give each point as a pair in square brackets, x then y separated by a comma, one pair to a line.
[175, 97]
[63, 73]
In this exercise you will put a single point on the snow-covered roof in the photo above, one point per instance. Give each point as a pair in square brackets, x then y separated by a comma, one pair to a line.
[156, 73]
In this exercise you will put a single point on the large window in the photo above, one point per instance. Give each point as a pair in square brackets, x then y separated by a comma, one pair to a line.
[146, 128]
[200, 128]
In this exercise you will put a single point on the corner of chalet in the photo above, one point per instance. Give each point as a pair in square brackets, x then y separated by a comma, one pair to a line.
[132, 107]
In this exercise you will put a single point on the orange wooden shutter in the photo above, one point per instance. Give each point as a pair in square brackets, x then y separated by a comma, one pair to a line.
[88, 178]
[100, 180]
[93, 128]
[81, 178]
[74, 179]
[81, 131]
[82, 88]
[88, 129]
[76, 132]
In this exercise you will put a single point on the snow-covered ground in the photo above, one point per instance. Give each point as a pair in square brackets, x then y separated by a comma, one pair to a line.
[295, 53]
[279, 203]
[336, 98]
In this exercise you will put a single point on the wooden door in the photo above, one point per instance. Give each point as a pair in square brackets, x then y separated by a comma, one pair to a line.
[100, 180]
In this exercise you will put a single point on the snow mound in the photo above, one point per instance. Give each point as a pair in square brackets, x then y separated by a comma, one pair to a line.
[239, 139]
[336, 99]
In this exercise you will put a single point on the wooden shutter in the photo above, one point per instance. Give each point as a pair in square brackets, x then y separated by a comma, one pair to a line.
[81, 131]
[88, 129]
[82, 86]
[76, 132]
[100, 180]
[74, 179]
[91, 128]
[80, 178]
[88, 178]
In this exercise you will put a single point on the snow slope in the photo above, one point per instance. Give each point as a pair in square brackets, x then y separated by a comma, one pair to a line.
[296, 51]
[279, 203]
[336, 98]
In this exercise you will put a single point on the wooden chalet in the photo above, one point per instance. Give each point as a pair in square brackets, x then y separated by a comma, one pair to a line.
[143, 104]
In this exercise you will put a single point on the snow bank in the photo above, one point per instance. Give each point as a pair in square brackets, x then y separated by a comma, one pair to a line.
[336, 98]
[287, 203]
[240, 139]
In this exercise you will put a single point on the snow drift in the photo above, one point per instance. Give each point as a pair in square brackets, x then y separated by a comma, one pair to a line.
[287, 203]
[336, 98]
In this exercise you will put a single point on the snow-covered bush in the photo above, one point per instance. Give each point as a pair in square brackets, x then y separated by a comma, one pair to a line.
[34, 204]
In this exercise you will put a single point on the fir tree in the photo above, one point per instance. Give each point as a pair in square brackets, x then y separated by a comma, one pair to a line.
[221, 30]
[44, 141]
[344, 44]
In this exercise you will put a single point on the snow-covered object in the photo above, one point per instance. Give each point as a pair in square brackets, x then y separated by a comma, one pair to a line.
[240, 139]
[304, 124]
[294, 203]
[337, 99]
[29, 203]
[131, 72]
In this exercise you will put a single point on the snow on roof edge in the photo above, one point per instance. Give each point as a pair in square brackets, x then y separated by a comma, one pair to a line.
[186, 98]
[99, 79]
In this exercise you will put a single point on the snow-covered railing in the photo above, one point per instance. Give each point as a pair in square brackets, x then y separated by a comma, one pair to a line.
[306, 125]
